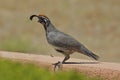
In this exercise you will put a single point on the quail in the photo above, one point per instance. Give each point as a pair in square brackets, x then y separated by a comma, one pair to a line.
[62, 42]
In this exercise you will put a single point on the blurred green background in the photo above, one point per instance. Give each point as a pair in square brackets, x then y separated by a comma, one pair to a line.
[95, 23]
[11, 70]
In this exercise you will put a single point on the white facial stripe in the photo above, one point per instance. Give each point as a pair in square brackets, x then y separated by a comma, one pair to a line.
[45, 20]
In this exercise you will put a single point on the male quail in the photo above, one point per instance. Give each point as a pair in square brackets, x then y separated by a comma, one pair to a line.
[62, 42]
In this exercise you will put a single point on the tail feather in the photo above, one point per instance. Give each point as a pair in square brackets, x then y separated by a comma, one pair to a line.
[96, 57]
[87, 52]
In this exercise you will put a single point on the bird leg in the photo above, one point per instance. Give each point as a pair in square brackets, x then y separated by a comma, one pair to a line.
[58, 65]
[65, 59]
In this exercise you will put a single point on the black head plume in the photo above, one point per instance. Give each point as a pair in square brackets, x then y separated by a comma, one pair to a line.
[44, 20]
[31, 17]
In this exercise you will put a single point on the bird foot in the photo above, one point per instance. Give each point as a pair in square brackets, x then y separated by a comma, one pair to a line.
[57, 66]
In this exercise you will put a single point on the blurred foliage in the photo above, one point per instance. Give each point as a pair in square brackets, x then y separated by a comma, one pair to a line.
[11, 70]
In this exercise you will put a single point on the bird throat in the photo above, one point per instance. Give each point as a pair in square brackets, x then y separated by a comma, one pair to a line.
[49, 27]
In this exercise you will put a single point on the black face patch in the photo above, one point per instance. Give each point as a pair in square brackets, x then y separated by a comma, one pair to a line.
[43, 20]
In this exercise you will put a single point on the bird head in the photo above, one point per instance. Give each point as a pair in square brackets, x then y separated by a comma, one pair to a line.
[44, 20]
